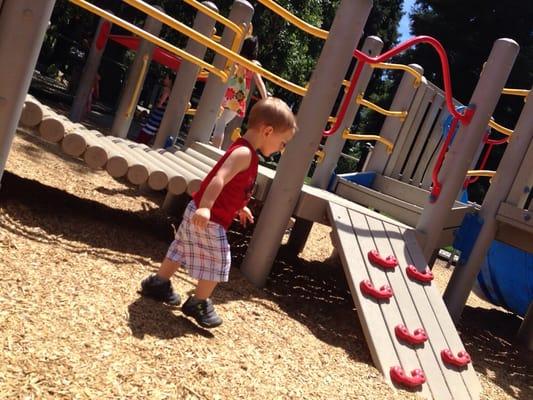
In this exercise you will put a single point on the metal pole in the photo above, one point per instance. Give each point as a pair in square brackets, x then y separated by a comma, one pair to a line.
[90, 70]
[22, 27]
[464, 276]
[135, 80]
[525, 332]
[178, 101]
[466, 143]
[314, 111]
[209, 107]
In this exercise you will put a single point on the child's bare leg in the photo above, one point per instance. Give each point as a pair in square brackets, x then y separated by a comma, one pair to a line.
[168, 268]
[204, 289]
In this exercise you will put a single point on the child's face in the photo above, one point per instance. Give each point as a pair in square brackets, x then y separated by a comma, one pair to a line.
[275, 141]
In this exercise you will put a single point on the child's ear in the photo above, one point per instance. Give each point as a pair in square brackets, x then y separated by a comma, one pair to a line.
[268, 130]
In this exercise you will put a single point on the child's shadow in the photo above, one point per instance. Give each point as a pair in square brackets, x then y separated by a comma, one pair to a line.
[148, 317]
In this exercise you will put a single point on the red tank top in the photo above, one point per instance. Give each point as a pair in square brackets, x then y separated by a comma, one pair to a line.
[236, 193]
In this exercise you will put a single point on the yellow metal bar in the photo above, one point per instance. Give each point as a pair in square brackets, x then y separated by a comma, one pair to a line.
[400, 114]
[502, 129]
[239, 31]
[516, 92]
[304, 26]
[320, 154]
[204, 40]
[357, 136]
[138, 86]
[235, 134]
[191, 111]
[406, 68]
[151, 38]
[216, 16]
[180, 27]
[480, 172]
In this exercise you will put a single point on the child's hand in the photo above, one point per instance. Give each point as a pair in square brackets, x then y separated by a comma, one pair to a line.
[201, 217]
[245, 215]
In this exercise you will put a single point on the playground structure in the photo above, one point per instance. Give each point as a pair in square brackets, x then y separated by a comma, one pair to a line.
[403, 179]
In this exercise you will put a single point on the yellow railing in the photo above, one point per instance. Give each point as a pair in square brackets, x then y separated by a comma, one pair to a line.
[204, 40]
[356, 136]
[417, 75]
[235, 134]
[502, 129]
[399, 114]
[515, 92]
[180, 27]
[320, 155]
[216, 16]
[481, 172]
[406, 68]
[151, 38]
[304, 26]
[138, 85]
[240, 32]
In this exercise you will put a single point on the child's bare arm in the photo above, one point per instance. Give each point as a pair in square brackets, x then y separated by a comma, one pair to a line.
[238, 161]
[259, 83]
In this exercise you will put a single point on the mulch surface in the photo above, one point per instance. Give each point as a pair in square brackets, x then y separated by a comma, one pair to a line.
[75, 244]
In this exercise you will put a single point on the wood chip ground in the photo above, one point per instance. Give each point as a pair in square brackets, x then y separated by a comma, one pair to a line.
[74, 245]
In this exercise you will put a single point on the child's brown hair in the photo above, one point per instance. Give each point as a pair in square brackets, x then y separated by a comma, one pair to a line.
[274, 112]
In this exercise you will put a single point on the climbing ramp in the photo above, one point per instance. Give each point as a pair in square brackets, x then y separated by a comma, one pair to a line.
[411, 336]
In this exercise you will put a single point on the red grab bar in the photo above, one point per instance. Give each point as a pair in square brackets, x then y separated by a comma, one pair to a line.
[362, 58]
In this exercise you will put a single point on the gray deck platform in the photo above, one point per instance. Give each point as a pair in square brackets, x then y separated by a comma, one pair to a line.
[413, 304]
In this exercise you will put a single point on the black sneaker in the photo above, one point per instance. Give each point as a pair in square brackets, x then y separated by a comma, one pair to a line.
[160, 290]
[202, 311]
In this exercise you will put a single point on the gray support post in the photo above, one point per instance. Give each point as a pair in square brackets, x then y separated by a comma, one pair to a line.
[525, 332]
[464, 276]
[135, 80]
[314, 111]
[90, 69]
[22, 27]
[377, 160]
[180, 95]
[485, 97]
[334, 145]
[209, 106]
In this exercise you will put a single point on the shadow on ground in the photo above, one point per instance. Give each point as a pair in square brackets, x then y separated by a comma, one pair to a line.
[313, 293]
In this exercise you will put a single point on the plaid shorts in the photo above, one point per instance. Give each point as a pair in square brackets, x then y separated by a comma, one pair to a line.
[204, 253]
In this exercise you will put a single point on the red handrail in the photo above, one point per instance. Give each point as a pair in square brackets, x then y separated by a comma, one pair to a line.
[362, 58]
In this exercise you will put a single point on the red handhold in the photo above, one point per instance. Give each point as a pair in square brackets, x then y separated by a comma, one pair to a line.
[384, 292]
[388, 262]
[416, 379]
[462, 358]
[413, 273]
[418, 336]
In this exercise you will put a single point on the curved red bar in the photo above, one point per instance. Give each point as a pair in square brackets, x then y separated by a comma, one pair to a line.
[413, 273]
[388, 262]
[418, 336]
[363, 58]
[383, 293]
[462, 358]
[416, 379]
